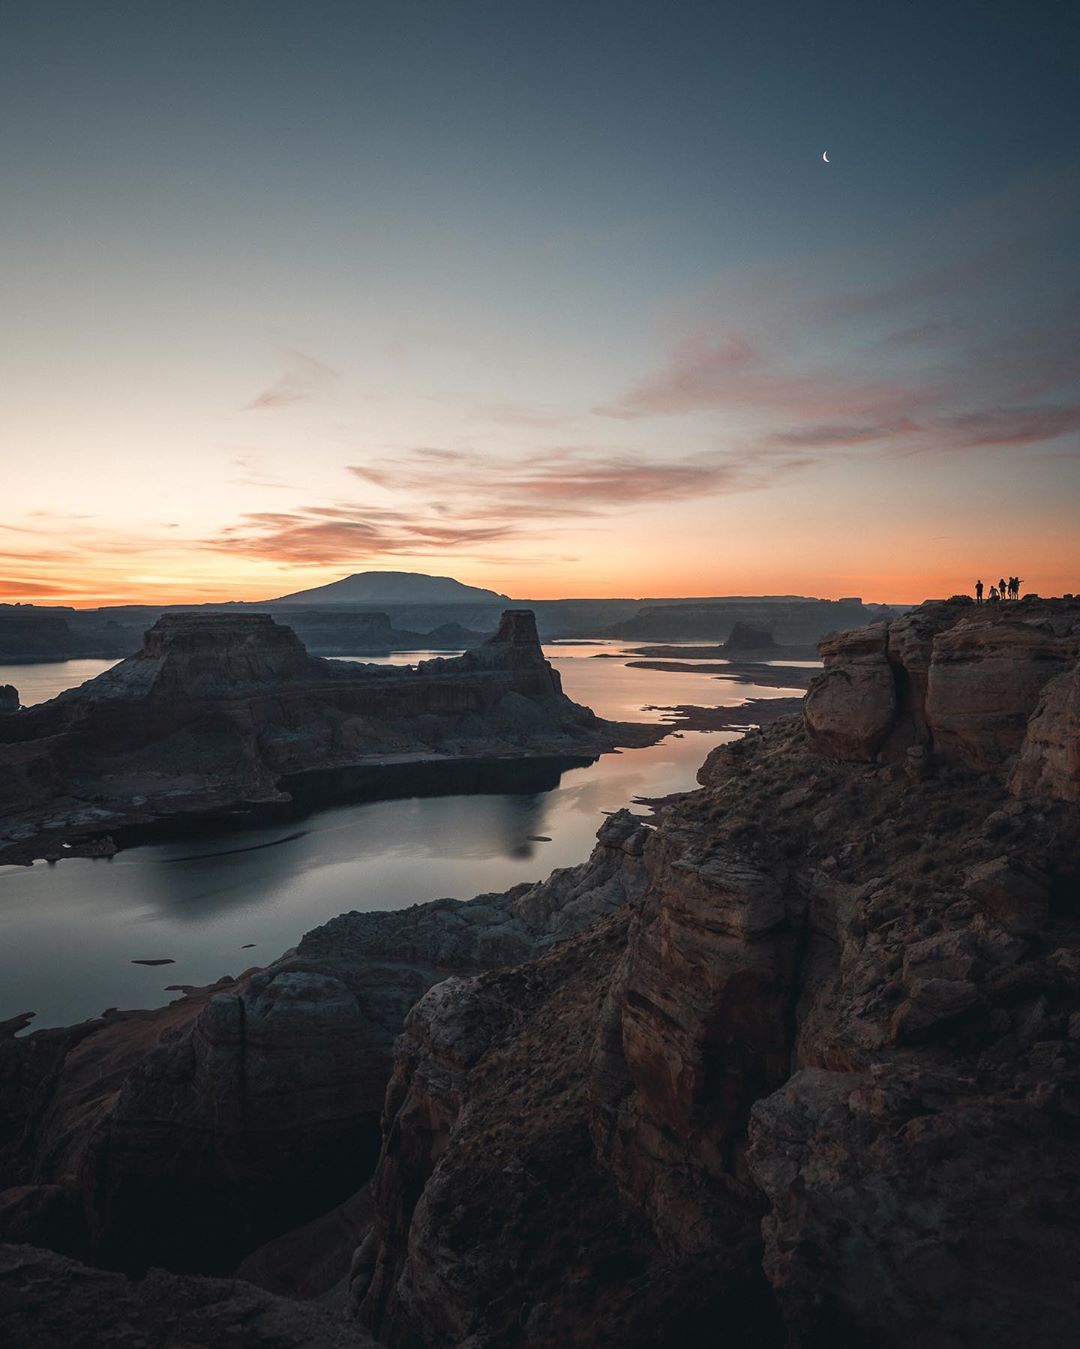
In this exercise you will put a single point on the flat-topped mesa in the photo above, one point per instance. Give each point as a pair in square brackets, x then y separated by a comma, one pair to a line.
[994, 688]
[209, 653]
[224, 710]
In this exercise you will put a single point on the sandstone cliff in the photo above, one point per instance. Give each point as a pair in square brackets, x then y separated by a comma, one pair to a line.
[820, 1085]
[218, 712]
[798, 1066]
[980, 686]
[187, 1136]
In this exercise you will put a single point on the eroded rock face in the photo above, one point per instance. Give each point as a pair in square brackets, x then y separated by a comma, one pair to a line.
[800, 1066]
[47, 1300]
[702, 987]
[972, 685]
[851, 706]
[494, 1223]
[984, 685]
[913, 1206]
[188, 1136]
[1049, 760]
[219, 712]
[843, 1017]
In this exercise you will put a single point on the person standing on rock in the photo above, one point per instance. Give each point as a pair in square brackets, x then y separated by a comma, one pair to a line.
[978, 592]
[993, 594]
[1002, 592]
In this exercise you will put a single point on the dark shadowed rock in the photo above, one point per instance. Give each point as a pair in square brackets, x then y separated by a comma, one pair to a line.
[799, 1065]
[9, 700]
[224, 711]
[851, 705]
[47, 1301]
[192, 1134]
[749, 637]
[982, 687]
[825, 1065]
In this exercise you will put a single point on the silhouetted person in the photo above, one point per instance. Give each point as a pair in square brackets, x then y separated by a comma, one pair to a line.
[1014, 587]
[993, 594]
[978, 592]
[1002, 593]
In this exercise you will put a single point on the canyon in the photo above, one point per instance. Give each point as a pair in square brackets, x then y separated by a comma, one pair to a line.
[230, 715]
[796, 1061]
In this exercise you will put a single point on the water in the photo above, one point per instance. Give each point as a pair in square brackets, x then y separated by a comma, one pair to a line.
[39, 683]
[71, 930]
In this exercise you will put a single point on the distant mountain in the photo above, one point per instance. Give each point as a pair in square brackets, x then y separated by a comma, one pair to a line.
[393, 587]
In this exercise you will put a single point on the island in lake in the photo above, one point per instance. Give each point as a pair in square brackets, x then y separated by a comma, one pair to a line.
[834, 991]
[229, 713]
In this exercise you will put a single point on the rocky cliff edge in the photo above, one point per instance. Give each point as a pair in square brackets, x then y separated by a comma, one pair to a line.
[809, 1076]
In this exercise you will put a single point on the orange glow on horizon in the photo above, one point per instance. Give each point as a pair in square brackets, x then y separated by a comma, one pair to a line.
[873, 586]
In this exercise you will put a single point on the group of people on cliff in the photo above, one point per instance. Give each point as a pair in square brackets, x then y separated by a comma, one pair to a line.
[1004, 590]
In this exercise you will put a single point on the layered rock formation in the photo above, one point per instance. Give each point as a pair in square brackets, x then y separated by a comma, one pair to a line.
[799, 1066]
[979, 686]
[47, 1300]
[791, 619]
[819, 1085]
[219, 712]
[188, 1136]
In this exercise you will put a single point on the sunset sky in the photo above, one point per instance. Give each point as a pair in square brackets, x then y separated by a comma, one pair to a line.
[554, 298]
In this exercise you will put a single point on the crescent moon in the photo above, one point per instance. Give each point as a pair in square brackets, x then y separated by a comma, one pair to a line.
[825, 157]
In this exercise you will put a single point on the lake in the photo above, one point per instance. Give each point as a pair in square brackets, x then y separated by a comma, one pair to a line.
[218, 903]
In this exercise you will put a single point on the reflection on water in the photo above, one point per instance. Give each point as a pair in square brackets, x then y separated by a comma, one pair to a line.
[71, 930]
[39, 683]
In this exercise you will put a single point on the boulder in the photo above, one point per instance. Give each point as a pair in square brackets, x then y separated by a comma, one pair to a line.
[851, 705]
[1017, 899]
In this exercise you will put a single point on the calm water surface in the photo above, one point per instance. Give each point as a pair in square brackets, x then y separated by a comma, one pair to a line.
[69, 932]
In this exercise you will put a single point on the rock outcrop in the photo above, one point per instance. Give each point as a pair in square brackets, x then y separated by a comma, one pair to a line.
[819, 1085]
[749, 637]
[978, 686]
[188, 1136]
[220, 712]
[9, 700]
[47, 1300]
[798, 1066]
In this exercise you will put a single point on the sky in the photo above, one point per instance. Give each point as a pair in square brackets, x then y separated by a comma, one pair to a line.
[556, 298]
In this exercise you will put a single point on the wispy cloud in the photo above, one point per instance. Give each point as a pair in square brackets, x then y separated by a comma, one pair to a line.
[317, 535]
[573, 480]
[957, 337]
[302, 379]
[15, 589]
[454, 500]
